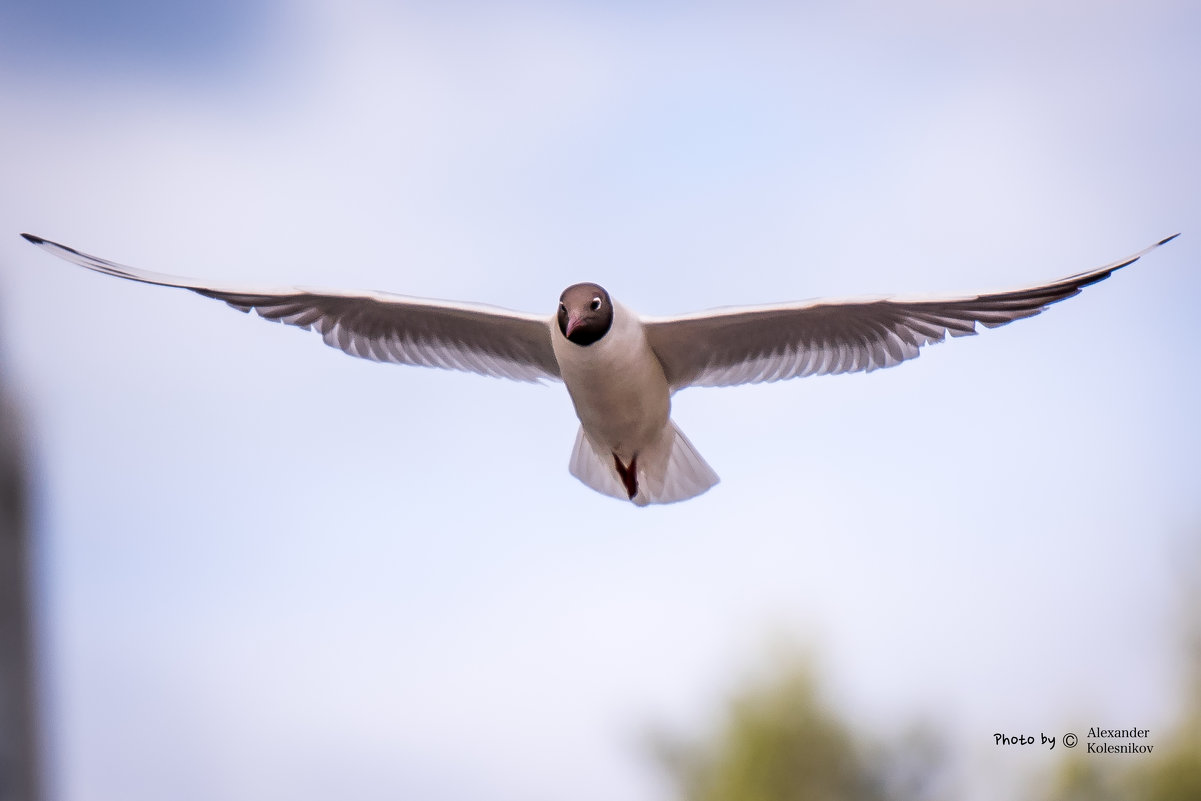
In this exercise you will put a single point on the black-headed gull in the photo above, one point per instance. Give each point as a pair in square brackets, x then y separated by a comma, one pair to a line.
[622, 369]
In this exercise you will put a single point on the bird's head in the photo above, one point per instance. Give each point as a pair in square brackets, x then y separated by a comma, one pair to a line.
[585, 313]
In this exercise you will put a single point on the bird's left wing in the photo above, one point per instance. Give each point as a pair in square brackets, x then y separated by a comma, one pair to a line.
[748, 345]
[378, 325]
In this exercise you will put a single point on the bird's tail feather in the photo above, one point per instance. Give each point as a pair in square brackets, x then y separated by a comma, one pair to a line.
[594, 466]
[670, 470]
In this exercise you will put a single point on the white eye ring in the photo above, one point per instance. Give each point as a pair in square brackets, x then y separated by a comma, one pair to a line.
[596, 304]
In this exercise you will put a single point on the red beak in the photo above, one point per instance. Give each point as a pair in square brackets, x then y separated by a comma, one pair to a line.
[573, 322]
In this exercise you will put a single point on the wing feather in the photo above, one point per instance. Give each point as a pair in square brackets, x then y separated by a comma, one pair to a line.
[747, 345]
[379, 326]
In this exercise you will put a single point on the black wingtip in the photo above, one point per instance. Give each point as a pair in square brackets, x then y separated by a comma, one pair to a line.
[1166, 241]
[37, 240]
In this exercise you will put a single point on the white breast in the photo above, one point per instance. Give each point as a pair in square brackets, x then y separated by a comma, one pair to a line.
[617, 385]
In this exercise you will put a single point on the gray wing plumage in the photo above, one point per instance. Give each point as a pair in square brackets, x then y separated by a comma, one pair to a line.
[377, 325]
[748, 345]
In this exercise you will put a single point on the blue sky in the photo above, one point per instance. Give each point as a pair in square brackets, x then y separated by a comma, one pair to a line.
[270, 569]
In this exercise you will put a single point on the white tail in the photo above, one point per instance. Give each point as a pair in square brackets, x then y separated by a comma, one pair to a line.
[670, 470]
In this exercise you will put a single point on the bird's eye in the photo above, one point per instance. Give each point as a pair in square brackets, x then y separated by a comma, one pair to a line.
[562, 307]
[596, 304]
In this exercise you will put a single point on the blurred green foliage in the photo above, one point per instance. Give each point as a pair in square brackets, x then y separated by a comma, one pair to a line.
[1171, 773]
[780, 742]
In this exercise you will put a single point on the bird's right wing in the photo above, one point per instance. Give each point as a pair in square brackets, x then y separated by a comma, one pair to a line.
[378, 325]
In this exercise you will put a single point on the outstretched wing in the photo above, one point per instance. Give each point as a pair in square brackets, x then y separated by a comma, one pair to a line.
[747, 345]
[378, 325]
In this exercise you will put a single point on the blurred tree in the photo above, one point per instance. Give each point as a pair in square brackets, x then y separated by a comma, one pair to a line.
[1173, 771]
[1176, 774]
[18, 765]
[779, 742]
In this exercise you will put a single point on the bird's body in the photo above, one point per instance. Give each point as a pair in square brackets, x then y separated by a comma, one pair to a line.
[621, 369]
[623, 401]
[617, 386]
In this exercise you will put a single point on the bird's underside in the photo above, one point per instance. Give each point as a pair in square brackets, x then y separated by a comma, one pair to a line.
[720, 347]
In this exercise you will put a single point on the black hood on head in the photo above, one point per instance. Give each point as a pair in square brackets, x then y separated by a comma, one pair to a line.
[587, 310]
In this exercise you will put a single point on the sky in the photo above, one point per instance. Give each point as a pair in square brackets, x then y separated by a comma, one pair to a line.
[267, 569]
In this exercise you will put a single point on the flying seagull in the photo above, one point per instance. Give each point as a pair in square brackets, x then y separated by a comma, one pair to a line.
[620, 368]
